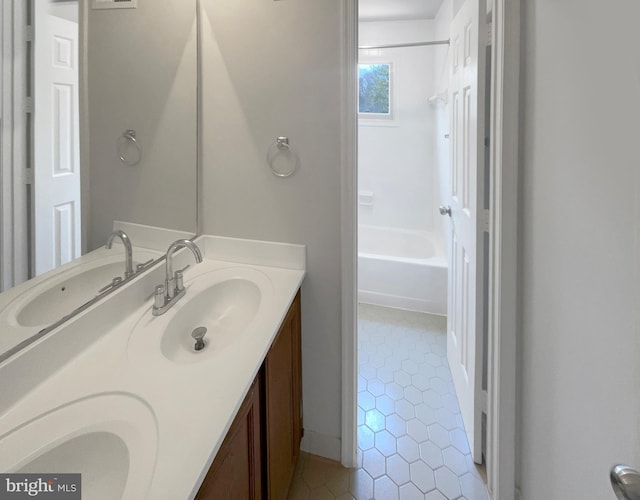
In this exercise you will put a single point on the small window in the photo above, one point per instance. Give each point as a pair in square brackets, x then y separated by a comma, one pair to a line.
[374, 89]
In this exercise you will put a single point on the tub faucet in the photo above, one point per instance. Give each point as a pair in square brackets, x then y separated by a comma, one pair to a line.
[167, 294]
[127, 249]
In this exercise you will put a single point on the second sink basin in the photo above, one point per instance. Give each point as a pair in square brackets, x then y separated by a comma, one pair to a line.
[65, 295]
[110, 439]
[225, 302]
[50, 300]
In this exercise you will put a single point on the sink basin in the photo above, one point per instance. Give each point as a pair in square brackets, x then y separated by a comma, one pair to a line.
[224, 309]
[59, 295]
[116, 455]
[101, 457]
[225, 302]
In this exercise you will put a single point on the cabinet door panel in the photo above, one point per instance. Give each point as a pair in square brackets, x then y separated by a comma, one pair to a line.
[236, 471]
[283, 405]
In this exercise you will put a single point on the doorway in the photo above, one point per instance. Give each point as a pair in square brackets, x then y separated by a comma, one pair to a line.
[415, 156]
[501, 219]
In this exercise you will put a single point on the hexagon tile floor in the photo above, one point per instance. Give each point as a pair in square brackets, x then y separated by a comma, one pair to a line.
[411, 440]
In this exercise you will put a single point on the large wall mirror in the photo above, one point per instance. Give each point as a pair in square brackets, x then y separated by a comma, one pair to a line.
[142, 77]
[99, 124]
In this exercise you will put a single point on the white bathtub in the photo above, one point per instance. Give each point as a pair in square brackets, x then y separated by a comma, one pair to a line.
[402, 268]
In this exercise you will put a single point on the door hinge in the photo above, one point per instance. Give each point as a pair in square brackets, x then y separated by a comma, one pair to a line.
[484, 404]
[28, 34]
[489, 33]
[28, 105]
[486, 220]
[28, 176]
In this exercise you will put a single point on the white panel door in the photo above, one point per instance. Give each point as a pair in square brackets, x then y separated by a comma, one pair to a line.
[464, 328]
[56, 140]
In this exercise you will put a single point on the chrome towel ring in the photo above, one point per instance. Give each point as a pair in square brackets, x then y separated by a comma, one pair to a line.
[129, 150]
[282, 158]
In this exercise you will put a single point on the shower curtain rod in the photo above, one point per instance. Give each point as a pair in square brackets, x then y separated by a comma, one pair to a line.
[398, 45]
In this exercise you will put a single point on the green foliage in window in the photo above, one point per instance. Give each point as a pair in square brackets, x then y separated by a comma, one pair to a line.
[374, 88]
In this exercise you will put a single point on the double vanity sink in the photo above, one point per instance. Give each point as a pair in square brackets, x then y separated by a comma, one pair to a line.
[122, 396]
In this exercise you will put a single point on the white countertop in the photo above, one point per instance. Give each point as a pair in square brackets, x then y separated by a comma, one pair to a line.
[191, 405]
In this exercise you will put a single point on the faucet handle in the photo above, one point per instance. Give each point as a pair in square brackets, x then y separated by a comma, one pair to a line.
[184, 269]
[178, 279]
[158, 297]
[140, 267]
[113, 283]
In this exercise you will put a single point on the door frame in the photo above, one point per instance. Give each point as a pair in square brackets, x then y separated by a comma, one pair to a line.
[14, 170]
[348, 230]
[503, 249]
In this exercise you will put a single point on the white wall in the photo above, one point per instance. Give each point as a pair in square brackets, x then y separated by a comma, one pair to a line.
[272, 69]
[579, 344]
[442, 130]
[142, 76]
[397, 159]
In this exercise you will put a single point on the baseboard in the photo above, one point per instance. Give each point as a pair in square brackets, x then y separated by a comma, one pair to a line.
[319, 444]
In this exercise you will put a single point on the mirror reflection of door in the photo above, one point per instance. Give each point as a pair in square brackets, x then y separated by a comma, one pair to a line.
[56, 155]
[39, 138]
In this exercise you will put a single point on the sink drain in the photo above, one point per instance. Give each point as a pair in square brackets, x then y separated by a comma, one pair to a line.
[198, 335]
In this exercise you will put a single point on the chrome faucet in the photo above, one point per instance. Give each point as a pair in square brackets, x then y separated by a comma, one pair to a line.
[167, 294]
[127, 248]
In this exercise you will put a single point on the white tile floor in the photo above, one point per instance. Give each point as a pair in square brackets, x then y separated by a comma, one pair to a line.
[411, 437]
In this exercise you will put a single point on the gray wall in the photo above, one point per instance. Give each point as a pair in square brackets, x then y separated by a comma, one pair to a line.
[271, 69]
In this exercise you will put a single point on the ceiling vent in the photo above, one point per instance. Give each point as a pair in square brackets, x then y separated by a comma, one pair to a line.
[114, 4]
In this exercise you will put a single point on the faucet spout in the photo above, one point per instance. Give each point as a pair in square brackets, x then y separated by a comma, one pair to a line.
[126, 241]
[173, 289]
[173, 248]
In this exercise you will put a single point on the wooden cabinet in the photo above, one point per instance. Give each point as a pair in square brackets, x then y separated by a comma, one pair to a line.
[236, 472]
[260, 452]
[283, 405]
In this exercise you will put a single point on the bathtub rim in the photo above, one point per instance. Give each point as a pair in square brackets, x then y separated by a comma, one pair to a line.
[438, 242]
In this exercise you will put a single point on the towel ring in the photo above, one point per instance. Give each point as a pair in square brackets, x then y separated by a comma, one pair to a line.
[281, 149]
[129, 150]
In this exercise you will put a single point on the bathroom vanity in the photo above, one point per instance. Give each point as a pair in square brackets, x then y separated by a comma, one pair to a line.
[121, 396]
[264, 438]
